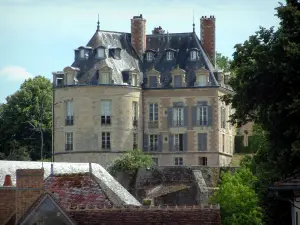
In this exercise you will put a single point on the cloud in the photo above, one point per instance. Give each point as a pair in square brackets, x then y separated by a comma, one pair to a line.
[14, 73]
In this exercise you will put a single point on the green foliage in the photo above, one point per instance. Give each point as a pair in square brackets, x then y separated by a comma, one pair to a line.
[27, 111]
[253, 144]
[237, 198]
[146, 202]
[223, 62]
[131, 162]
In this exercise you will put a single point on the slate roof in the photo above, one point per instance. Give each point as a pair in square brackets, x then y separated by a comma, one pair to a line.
[129, 60]
[119, 195]
[181, 43]
[73, 190]
[290, 183]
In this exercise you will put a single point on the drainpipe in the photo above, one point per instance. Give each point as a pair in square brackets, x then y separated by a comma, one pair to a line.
[53, 123]
[143, 116]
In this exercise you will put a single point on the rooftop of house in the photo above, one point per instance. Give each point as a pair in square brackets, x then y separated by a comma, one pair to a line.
[87, 180]
[290, 183]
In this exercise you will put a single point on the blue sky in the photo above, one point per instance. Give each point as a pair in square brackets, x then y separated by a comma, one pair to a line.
[39, 36]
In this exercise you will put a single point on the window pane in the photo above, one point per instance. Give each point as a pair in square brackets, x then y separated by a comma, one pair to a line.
[177, 81]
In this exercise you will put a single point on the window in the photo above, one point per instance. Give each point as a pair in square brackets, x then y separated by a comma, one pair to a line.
[202, 80]
[100, 52]
[223, 142]
[69, 141]
[152, 81]
[178, 117]
[202, 161]
[230, 145]
[135, 140]
[106, 140]
[202, 115]
[202, 142]
[134, 79]
[297, 219]
[177, 81]
[82, 53]
[134, 113]
[178, 142]
[117, 53]
[155, 161]
[223, 120]
[153, 112]
[178, 161]
[105, 78]
[149, 56]
[153, 140]
[69, 113]
[170, 55]
[105, 112]
[193, 55]
[59, 81]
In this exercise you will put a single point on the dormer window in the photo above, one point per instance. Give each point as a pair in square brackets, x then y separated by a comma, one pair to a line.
[133, 79]
[202, 77]
[193, 55]
[82, 53]
[149, 56]
[118, 53]
[100, 52]
[105, 78]
[202, 80]
[170, 55]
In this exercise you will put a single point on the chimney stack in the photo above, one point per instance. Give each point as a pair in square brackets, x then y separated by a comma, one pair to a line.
[208, 36]
[8, 200]
[138, 34]
[7, 181]
[29, 187]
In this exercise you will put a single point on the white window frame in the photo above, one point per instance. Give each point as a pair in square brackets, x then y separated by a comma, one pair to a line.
[202, 80]
[153, 112]
[81, 53]
[133, 79]
[153, 142]
[69, 108]
[106, 108]
[69, 141]
[177, 142]
[178, 161]
[193, 55]
[202, 115]
[105, 78]
[100, 52]
[178, 116]
[106, 140]
[169, 55]
[149, 56]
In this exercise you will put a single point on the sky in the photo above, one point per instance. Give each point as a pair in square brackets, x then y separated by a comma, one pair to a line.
[38, 37]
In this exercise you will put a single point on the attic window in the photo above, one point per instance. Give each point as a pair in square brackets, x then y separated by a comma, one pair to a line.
[149, 56]
[100, 53]
[193, 55]
[170, 55]
[82, 53]
[202, 80]
[117, 53]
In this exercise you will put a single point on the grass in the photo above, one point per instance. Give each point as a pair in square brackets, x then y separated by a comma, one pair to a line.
[237, 157]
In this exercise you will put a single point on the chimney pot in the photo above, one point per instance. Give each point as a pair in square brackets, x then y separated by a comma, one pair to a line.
[7, 181]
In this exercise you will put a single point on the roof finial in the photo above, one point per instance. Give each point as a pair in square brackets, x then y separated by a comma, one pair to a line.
[98, 24]
[193, 22]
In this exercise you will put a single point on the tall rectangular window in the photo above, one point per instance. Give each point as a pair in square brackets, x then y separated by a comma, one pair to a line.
[223, 119]
[202, 80]
[152, 81]
[105, 112]
[153, 142]
[170, 55]
[202, 115]
[82, 53]
[178, 142]
[134, 110]
[106, 140]
[153, 112]
[223, 142]
[69, 113]
[178, 117]
[134, 79]
[69, 141]
[178, 161]
[193, 55]
[177, 81]
[105, 78]
[100, 52]
[135, 141]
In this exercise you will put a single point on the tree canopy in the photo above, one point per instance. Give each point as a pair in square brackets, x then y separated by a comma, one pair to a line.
[27, 111]
[223, 62]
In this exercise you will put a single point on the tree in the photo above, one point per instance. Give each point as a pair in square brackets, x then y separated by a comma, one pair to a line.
[266, 85]
[237, 198]
[223, 62]
[26, 113]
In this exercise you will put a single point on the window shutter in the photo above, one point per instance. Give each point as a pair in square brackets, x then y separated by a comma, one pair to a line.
[186, 116]
[145, 146]
[171, 142]
[202, 142]
[194, 116]
[199, 142]
[185, 142]
[160, 145]
[210, 115]
[170, 116]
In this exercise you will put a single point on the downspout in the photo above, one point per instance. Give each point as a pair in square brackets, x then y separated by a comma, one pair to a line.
[53, 126]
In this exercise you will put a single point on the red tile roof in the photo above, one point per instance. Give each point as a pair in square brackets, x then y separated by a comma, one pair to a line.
[77, 190]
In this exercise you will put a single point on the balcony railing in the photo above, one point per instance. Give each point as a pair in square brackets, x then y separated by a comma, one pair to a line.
[70, 120]
[105, 120]
[68, 147]
[178, 123]
[153, 124]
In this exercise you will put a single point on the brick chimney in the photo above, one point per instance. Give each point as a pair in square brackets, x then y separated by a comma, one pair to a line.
[208, 36]
[29, 187]
[138, 34]
[8, 200]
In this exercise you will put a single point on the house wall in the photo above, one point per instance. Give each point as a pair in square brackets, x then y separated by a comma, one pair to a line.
[87, 126]
[7, 203]
[165, 99]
